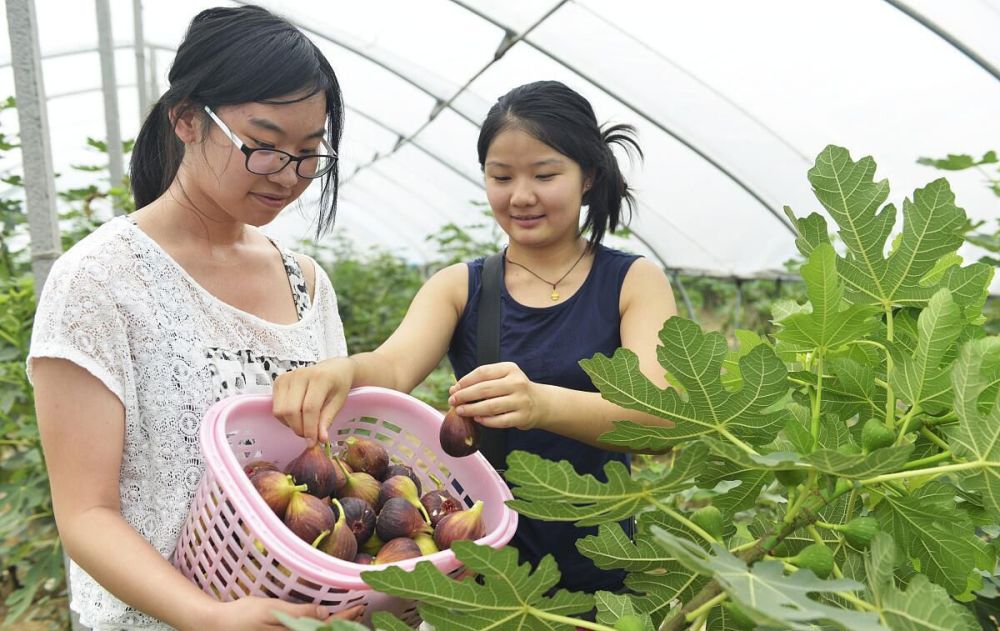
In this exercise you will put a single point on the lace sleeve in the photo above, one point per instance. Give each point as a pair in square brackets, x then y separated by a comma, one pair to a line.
[333, 327]
[79, 319]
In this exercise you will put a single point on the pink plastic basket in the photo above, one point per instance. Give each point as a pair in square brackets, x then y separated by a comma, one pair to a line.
[232, 545]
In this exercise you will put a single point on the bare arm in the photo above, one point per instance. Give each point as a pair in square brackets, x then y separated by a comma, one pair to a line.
[82, 428]
[508, 399]
[307, 399]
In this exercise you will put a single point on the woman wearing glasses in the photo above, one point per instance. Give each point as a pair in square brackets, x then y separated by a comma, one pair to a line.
[154, 317]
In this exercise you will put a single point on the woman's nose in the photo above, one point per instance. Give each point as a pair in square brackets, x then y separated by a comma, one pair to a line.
[285, 177]
[523, 194]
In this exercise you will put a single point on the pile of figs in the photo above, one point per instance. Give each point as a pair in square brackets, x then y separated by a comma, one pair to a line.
[358, 506]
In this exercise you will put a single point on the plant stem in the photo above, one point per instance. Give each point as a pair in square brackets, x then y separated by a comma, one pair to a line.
[934, 438]
[916, 464]
[574, 622]
[815, 534]
[817, 400]
[706, 607]
[888, 322]
[905, 422]
[687, 523]
[962, 466]
[932, 421]
[890, 397]
[736, 441]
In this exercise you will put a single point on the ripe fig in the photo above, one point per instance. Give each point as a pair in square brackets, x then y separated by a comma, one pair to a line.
[360, 485]
[397, 550]
[339, 541]
[365, 454]
[402, 486]
[313, 468]
[399, 518]
[363, 558]
[464, 524]
[307, 516]
[459, 435]
[402, 469]
[254, 466]
[426, 543]
[360, 518]
[439, 503]
[276, 489]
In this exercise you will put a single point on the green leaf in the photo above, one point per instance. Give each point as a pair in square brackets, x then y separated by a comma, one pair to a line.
[927, 527]
[857, 466]
[932, 228]
[732, 377]
[654, 593]
[880, 564]
[970, 288]
[766, 593]
[510, 596]
[311, 624]
[925, 606]
[554, 491]
[853, 391]
[925, 374]
[611, 548]
[976, 437]
[385, 621]
[695, 359]
[751, 479]
[612, 608]
[811, 231]
[827, 326]
[958, 162]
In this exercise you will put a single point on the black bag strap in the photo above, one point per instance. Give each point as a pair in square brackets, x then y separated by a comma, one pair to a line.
[492, 442]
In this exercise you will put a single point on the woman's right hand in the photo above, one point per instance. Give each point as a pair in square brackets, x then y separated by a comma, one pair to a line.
[252, 613]
[307, 399]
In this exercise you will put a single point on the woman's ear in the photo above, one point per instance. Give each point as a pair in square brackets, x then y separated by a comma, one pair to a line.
[186, 123]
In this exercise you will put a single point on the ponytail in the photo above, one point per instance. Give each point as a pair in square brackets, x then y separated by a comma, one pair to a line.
[609, 189]
[156, 155]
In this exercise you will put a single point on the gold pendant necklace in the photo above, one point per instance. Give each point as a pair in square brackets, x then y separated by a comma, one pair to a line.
[554, 296]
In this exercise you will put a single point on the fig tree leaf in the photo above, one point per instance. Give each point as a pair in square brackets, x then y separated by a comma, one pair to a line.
[925, 606]
[932, 228]
[695, 359]
[510, 596]
[925, 374]
[611, 548]
[654, 593]
[766, 593]
[927, 527]
[828, 326]
[858, 466]
[311, 624]
[554, 491]
[611, 608]
[732, 378]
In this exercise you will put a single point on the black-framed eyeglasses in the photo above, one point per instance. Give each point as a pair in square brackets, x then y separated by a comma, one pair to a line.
[266, 161]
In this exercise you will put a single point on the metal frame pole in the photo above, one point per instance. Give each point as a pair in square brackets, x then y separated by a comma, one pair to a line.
[36, 153]
[116, 165]
[140, 58]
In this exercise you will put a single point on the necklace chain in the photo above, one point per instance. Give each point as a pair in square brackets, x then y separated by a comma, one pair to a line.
[555, 294]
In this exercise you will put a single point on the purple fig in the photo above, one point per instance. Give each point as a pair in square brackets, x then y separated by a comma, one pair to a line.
[402, 469]
[339, 541]
[360, 485]
[254, 466]
[426, 543]
[360, 518]
[459, 435]
[276, 489]
[464, 524]
[399, 518]
[439, 503]
[397, 550]
[363, 558]
[365, 454]
[402, 486]
[313, 468]
[307, 516]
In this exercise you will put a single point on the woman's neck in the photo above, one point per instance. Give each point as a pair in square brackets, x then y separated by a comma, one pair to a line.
[182, 215]
[554, 258]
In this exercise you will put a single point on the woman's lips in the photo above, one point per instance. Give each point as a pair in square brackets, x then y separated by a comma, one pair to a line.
[271, 201]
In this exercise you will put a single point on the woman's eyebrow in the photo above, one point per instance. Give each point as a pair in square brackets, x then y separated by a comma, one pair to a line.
[269, 125]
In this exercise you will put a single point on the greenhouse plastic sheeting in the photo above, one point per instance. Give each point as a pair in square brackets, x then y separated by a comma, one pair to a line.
[733, 100]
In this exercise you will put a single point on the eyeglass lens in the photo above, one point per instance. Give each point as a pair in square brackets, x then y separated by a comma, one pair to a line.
[268, 162]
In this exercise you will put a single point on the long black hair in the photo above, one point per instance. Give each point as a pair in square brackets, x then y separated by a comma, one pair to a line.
[556, 115]
[231, 56]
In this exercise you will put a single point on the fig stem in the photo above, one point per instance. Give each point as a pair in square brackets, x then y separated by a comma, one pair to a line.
[437, 481]
[341, 518]
[320, 538]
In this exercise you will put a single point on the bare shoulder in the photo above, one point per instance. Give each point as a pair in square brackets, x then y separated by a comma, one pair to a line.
[646, 282]
[450, 284]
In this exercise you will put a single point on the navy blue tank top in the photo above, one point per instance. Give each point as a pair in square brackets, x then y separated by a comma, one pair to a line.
[547, 343]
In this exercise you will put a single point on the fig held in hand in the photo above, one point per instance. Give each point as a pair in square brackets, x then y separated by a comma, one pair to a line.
[314, 469]
[459, 435]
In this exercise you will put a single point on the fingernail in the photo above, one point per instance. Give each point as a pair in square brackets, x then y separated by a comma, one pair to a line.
[451, 400]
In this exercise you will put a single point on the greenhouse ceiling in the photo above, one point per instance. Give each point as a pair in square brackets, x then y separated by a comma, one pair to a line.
[733, 100]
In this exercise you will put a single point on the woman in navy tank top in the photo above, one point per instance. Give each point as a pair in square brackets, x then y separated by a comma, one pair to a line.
[564, 297]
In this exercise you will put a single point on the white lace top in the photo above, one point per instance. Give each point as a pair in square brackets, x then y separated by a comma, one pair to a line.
[120, 307]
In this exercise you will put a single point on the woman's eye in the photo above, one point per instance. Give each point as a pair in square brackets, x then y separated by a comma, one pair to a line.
[546, 176]
[261, 144]
[501, 178]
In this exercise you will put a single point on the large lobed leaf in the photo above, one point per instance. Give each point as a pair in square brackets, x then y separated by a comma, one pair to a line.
[510, 596]
[922, 376]
[932, 229]
[977, 434]
[554, 491]
[766, 593]
[695, 360]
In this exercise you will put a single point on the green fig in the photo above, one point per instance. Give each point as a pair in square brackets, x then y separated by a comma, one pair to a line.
[816, 557]
[875, 435]
[860, 531]
[709, 519]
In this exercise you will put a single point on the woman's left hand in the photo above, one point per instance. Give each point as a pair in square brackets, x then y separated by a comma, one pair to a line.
[501, 395]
